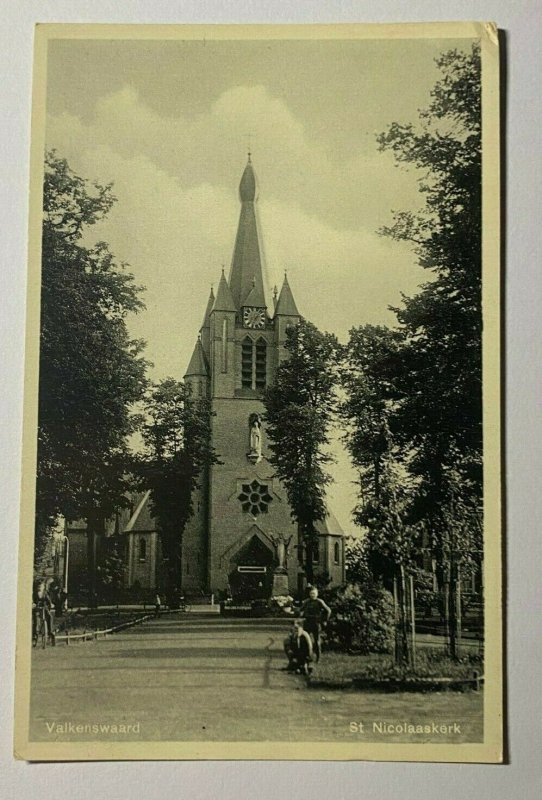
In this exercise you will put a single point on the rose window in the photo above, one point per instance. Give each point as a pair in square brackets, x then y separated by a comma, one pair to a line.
[255, 498]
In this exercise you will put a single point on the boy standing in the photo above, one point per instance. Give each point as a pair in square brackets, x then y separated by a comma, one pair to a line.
[316, 613]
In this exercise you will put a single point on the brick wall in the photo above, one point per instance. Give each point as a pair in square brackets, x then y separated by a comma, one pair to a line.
[229, 525]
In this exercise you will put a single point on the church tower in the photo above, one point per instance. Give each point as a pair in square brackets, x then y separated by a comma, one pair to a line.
[242, 530]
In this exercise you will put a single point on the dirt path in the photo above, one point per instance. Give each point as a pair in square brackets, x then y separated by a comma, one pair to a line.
[198, 678]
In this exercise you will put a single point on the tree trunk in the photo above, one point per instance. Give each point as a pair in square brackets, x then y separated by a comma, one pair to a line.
[309, 556]
[402, 649]
[458, 613]
[412, 597]
[446, 605]
[305, 549]
[396, 643]
[95, 529]
[171, 551]
[454, 601]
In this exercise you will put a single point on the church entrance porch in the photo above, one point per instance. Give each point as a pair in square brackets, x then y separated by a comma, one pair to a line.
[249, 583]
[251, 574]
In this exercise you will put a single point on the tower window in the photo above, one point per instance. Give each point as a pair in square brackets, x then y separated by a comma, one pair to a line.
[142, 549]
[255, 498]
[253, 364]
[246, 362]
[260, 363]
[336, 553]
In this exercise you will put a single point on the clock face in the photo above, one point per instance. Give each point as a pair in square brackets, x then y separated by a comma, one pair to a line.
[253, 317]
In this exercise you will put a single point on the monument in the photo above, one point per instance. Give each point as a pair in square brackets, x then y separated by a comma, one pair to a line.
[280, 573]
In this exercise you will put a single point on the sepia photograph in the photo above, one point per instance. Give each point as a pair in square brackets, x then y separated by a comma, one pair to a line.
[261, 499]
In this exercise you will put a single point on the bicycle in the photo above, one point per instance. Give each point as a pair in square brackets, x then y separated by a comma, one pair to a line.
[40, 628]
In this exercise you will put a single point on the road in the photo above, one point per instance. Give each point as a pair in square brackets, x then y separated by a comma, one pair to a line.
[197, 678]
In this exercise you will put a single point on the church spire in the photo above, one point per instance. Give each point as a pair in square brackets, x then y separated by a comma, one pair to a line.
[286, 306]
[246, 267]
[207, 315]
[224, 300]
[198, 363]
[255, 297]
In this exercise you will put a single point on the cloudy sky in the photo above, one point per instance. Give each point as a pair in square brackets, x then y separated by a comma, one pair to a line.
[169, 123]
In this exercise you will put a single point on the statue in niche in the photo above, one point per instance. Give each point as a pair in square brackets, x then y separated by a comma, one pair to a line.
[255, 426]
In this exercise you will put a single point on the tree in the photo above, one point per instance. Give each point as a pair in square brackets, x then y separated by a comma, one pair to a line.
[91, 371]
[355, 561]
[457, 542]
[300, 407]
[390, 546]
[372, 359]
[111, 572]
[437, 386]
[440, 383]
[178, 451]
[414, 394]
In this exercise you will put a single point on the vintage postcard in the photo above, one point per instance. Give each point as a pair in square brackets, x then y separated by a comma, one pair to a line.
[261, 511]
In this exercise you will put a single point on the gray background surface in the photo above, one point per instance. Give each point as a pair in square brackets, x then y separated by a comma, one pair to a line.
[522, 22]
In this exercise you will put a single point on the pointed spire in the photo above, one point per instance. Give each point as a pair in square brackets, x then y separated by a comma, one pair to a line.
[207, 315]
[255, 297]
[247, 187]
[246, 263]
[198, 362]
[224, 300]
[286, 306]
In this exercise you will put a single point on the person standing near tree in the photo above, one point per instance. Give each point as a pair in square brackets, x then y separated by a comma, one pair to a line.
[316, 614]
[42, 604]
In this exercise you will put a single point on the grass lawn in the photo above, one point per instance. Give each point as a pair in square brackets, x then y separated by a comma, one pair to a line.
[338, 668]
[206, 679]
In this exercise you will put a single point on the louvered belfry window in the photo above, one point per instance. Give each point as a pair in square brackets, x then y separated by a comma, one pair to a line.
[261, 363]
[246, 363]
[253, 364]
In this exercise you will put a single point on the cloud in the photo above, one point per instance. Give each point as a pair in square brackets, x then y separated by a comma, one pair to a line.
[175, 220]
[293, 163]
[176, 215]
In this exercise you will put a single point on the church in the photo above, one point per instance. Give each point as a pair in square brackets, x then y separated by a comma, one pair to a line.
[241, 535]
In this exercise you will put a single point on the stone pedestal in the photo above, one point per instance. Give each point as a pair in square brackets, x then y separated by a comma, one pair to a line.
[280, 583]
